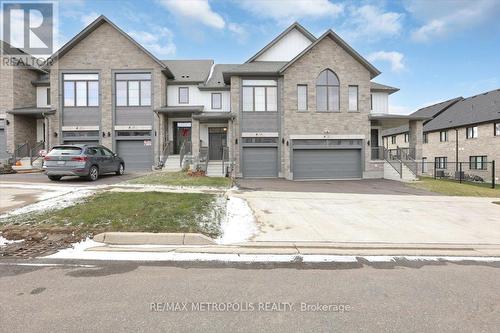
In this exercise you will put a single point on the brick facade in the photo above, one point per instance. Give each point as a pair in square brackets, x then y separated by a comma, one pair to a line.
[106, 50]
[326, 55]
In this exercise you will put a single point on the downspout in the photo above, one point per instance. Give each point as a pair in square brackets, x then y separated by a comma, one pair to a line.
[456, 149]
[158, 137]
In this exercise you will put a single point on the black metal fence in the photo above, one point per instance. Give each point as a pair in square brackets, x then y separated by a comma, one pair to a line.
[462, 172]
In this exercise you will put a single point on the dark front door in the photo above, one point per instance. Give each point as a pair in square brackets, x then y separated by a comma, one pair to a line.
[182, 133]
[217, 140]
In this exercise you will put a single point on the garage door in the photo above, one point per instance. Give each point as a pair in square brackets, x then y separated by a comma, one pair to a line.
[3, 144]
[326, 163]
[260, 162]
[136, 155]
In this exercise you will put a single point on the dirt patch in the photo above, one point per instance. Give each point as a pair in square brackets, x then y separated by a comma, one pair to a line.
[38, 241]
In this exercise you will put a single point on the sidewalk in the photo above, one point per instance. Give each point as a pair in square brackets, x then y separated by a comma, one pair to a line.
[195, 247]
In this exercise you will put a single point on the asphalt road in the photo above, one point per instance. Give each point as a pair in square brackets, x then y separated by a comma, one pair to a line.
[133, 297]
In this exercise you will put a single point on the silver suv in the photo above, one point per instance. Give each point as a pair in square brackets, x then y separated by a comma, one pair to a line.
[81, 160]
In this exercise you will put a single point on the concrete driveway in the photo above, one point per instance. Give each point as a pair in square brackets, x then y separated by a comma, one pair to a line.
[345, 217]
[364, 186]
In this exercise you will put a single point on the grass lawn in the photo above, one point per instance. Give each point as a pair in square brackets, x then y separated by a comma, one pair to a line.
[181, 179]
[450, 187]
[145, 211]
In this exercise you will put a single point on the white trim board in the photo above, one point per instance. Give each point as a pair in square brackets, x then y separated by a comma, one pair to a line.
[132, 127]
[80, 128]
[259, 134]
[328, 136]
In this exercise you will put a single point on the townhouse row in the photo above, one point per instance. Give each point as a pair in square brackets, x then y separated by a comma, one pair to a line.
[302, 107]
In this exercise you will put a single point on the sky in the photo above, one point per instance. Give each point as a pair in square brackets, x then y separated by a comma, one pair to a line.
[432, 50]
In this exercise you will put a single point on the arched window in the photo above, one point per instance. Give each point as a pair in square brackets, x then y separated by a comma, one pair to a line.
[327, 92]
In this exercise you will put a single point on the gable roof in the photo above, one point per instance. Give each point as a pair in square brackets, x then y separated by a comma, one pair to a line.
[93, 26]
[255, 68]
[336, 38]
[374, 86]
[469, 111]
[9, 50]
[189, 71]
[216, 79]
[295, 25]
[429, 112]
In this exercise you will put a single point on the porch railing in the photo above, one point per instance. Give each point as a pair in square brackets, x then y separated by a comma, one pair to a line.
[391, 156]
[185, 149]
[225, 158]
[165, 152]
[408, 160]
[22, 150]
[34, 152]
[377, 153]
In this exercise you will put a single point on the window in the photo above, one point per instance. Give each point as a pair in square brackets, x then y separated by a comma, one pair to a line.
[426, 138]
[133, 89]
[371, 102]
[327, 92]
[133, 133]
[183, 95]
[424, 164]
[496, 128]
[478, 163]
[440, 162]
[393, 139]
[471, 132]
[216, 101]
[301, 97]
[353, 98]
[260, 95]
[407, 137]
[80, 90]
[443, 136]
[48, 96]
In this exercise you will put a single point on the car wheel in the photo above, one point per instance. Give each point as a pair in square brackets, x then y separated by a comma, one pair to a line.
[93, 173]
[55, 178]
[121, 170]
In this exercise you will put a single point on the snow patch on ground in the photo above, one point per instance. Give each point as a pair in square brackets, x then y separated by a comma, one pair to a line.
[55, 200]
[239, 224]
[5, 241]
[77, 251]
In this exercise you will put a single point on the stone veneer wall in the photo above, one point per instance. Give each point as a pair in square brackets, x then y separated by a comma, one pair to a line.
[105, 50]
[326, 55]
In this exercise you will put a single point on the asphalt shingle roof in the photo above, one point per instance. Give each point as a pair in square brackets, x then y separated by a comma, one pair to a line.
[189, 70]
[472, 110]
[216, 80]
[382, 87]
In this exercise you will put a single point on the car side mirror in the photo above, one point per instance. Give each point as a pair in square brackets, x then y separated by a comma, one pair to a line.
[115, 154]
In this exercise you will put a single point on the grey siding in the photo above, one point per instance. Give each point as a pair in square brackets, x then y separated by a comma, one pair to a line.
[133, 116]
[327, 163]
[136, 155]
[260, 162]
[87, 116]
[259, 121]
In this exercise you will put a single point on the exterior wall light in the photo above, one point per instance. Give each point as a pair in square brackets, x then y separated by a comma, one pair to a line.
[109, 134]
[103, 134]
[235, 141]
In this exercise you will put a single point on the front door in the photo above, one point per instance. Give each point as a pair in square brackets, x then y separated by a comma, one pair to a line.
[182, 133]
[376, 154]
[217, 140]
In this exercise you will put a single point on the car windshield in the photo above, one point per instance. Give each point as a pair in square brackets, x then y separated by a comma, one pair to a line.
[58, 151]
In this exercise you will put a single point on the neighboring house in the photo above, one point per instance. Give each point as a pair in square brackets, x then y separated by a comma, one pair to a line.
[23, 106]
[464, 130]
[300, 108]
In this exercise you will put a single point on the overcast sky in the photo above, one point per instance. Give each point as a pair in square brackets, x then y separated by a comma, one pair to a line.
[431, 50]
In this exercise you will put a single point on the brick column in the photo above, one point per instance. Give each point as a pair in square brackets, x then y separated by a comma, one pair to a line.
[195, 138]
[416, 137]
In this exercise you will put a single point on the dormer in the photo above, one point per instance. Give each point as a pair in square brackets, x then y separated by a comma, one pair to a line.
[379, 100]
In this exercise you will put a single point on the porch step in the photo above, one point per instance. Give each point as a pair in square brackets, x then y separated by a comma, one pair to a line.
[214, 169]
[392, 174]
[172, 164]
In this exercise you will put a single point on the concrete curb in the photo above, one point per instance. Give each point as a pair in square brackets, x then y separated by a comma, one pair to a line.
[117, 244]
[148, 238]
